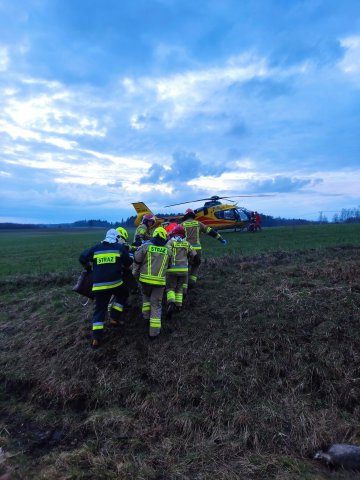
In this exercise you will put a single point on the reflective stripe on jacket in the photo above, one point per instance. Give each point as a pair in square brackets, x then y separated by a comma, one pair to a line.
[153, 261]
[141, 235]
[181, 252]
[192, 232]
[108, 260]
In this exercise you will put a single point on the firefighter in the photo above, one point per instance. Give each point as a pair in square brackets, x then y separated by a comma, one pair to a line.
[177, 273]
[192, 234]
[151, 263]
[251, 227]
[124, 236]
[143, 231]
[107, 260]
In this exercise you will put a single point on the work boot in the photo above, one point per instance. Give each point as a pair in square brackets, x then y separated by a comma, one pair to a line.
[154, 332]
[170, 310]
[95, 344]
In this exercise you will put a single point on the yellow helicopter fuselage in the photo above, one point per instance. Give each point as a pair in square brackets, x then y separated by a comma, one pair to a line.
[215, 215]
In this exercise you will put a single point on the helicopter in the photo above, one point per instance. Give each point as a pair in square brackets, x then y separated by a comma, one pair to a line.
[213, 213]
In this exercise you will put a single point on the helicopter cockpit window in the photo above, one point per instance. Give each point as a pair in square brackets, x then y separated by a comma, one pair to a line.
[230, 214]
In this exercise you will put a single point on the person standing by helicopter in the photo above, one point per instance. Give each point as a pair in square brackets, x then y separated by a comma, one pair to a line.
[143, 231]
[257, 222]
[192, 229]
[251, 227]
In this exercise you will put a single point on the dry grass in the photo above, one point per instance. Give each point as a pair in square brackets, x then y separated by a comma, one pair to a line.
[260, 369]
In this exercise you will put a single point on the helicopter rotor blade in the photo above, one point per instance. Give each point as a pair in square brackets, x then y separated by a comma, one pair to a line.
[215, 198]
[260, 195]
[191, 201]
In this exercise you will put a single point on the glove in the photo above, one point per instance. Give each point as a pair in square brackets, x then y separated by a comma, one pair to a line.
[223, 241]
[87, 267]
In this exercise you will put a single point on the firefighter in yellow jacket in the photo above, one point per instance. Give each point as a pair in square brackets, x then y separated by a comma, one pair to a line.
[177, 274]
[143, 231]
[151, 263]
[192, 232]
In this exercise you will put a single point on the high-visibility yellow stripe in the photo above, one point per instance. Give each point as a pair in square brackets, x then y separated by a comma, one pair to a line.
[106, 287]
[113, 254]
[146, 307]
[152, 281]
[170, 295]
[154, 277]
[149, 264]
[117, 307]
[163, 264]
[177, 269]
[193, 278]
[98, 327]
[155, 322]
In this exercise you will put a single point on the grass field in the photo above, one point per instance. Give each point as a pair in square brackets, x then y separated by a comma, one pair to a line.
[40, 252]
[260, 369]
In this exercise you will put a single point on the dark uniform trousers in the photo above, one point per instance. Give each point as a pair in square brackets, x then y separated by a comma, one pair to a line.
[102, 299]
[194, 266]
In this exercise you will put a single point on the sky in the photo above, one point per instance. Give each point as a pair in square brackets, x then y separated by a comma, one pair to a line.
[108, 102]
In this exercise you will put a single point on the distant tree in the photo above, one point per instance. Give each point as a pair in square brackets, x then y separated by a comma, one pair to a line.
[17, 226]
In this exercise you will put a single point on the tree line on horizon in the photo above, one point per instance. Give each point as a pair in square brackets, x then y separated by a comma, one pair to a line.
[345, 215]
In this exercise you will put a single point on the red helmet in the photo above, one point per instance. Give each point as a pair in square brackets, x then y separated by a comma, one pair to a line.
[179, 230]
[149, 217]
[189, 213]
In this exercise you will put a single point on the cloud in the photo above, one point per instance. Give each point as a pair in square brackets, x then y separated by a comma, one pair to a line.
[143, 120]
[51, 113]
[4, 59]
[182, 94]
[238, 129]
[350, 64]
[280, 184]
[185, 166]
[248, 98]
[267, 88]
[313, 49]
